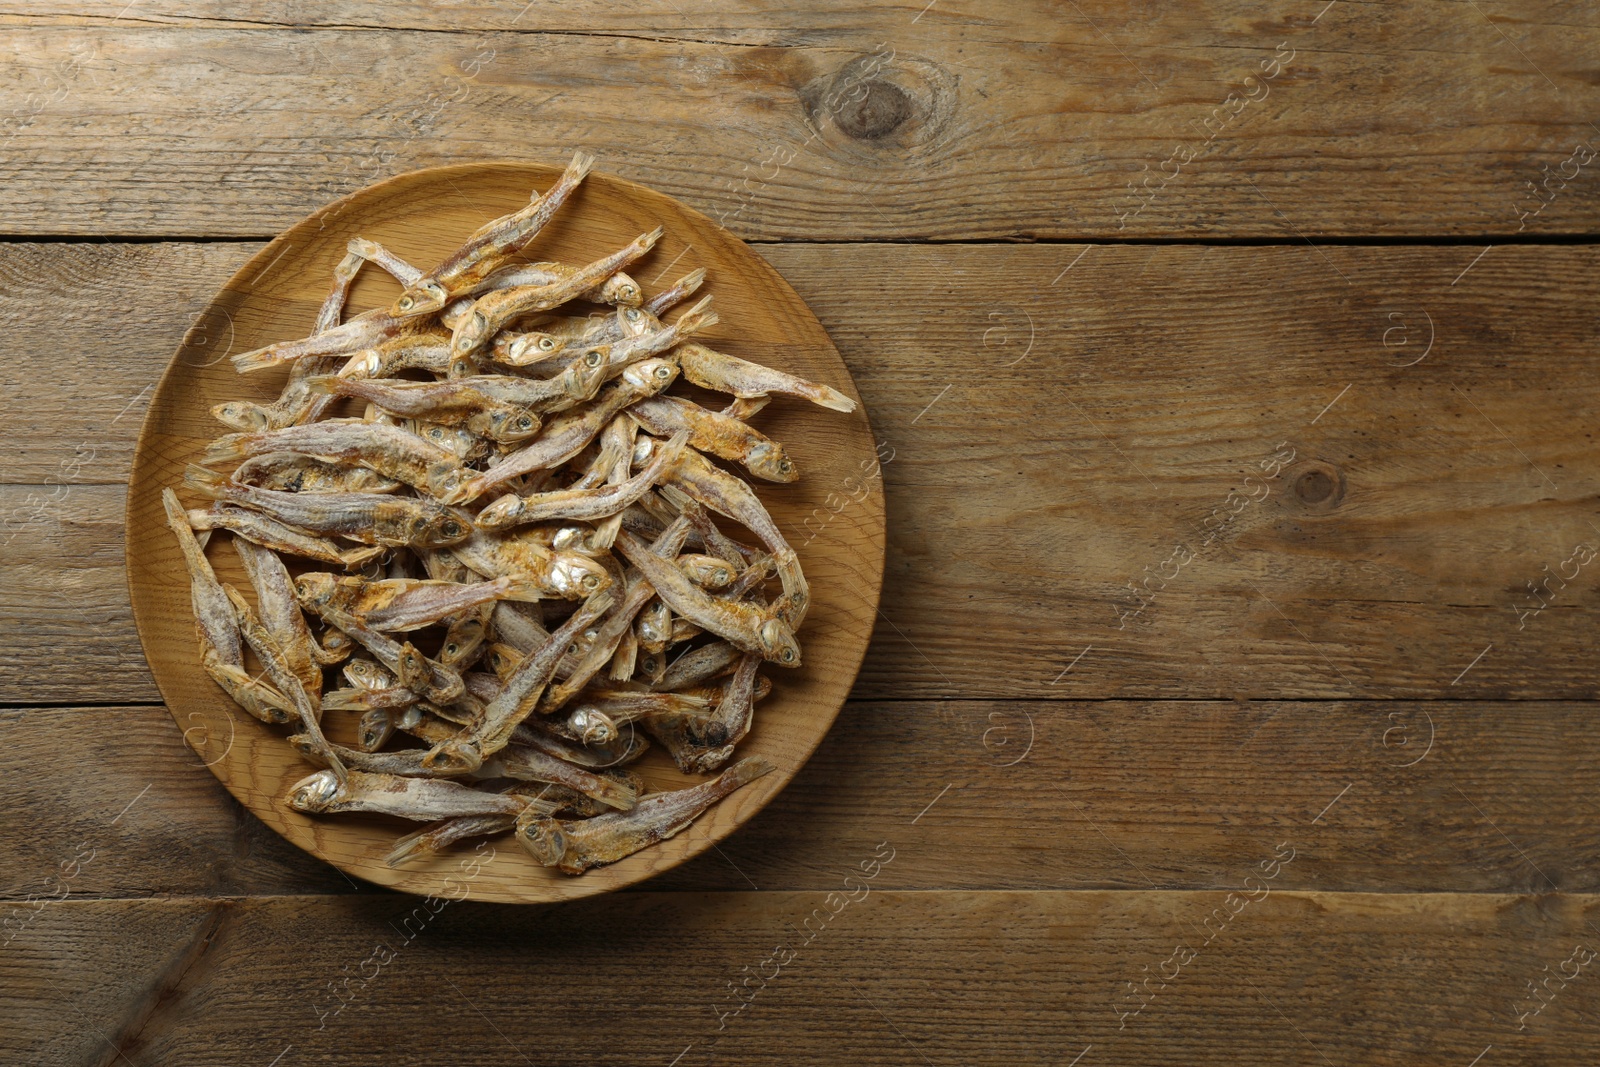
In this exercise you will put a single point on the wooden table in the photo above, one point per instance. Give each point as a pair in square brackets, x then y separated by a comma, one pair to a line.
[1234, 695]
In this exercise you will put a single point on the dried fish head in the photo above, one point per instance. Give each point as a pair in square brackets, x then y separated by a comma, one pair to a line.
[651, 374]
[316, 587]
[241, 415]
[572, 575]
[471, 332]
[501, 513]
[569, 539]
[533, 348]
[364, 364]
[710, 572]
[439, 526]
[506, 425]
[542, 837]
[620, 289]
[593, 726]
[778, 644]
[584, 376]
[445, 479]
[636, 322]
[376, 727]
[767, 460]
[364, 673]
[314, 792]
[421, 299]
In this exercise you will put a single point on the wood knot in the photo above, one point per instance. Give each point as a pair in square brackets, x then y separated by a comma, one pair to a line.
[1318, 486]
[873, 110]
[881, 102]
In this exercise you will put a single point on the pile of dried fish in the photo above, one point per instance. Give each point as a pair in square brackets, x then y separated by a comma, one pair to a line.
[523, 498]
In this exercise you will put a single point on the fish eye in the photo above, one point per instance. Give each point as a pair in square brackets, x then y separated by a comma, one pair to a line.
[632, 314]
[720, 576]
[788, 655]
[547, 344]
[525, 422]
[405, 303]
[590, 581]
[592, 359]
[451, 527]
[572, 649]
[452, 648]
[436, 433]
[785, 466]
[663, 372]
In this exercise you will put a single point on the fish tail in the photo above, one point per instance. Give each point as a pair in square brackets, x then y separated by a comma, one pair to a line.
[411, 845]
[579, 168]
[697, 318]
[671, 449]
[225, 449]
[828, 397]
[649, 240]
[206, 482]
[675, 496]
[744, 772]
[691, 281]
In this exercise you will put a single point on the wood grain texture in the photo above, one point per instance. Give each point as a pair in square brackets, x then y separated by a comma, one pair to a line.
[1055, 436]
[1021, 121]
[1179, 795]
[892, 978]
[64, 596]
[422, 218]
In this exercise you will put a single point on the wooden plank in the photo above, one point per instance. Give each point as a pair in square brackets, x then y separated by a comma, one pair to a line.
[891, 978]
[1455, 483]
[64, 591]
[1415, 797]
[1029, 122]
[128, 799]
[90, 327]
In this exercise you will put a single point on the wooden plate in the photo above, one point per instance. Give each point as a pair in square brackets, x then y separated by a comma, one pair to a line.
[833, 515]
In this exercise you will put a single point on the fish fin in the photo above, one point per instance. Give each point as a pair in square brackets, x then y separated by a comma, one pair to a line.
[745, 771]
[206, 482]
[344, 700]
[357, 558]
[581, 163]
[523, 591]
[225, 449]
[691, 281]
[697, 318]
[828, 397]
[675, 496]
[407, 847]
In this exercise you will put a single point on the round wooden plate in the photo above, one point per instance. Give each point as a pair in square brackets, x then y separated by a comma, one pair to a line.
[833, 515]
